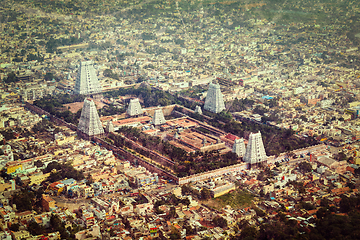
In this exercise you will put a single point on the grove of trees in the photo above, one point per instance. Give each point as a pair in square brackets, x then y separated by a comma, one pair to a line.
[62, 171]
[54, 104]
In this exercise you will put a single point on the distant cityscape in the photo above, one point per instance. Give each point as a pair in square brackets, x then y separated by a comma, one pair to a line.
[167, 119]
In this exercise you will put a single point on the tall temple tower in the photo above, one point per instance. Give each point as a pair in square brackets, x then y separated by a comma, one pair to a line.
[239, 147]
[134, 107]
[214, 99]
[109, 127]
[198, 110]
[87, 82]
[89, 123]
[255, 151]
[158, 118]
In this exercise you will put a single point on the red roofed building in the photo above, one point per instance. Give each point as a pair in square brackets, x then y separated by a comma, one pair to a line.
[231, 137]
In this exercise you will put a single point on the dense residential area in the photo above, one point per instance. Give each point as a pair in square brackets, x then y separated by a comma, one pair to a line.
[170, 119]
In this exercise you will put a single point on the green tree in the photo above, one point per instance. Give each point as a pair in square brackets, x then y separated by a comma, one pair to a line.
[57, 225]
[303, 118]
[259, 212]
[219, 221]
[172, 212]
[175, 233]
[205, 194]
[14, 227]
[38, 163]
[341, 156]
[107, 72]
[49, 76]
[11, 77]
[249, 232]
[322, 212]
[324, 202]
[306, 205]
[24, 200]
[185, 189]
[35, 229]
[305, 167]
[185, 201]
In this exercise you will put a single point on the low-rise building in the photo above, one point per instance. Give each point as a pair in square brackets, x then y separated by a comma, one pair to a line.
[47, 202]
[19, 235]
[222, 189]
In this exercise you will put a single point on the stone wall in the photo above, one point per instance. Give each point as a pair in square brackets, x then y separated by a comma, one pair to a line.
[213, 173]
[213, 147]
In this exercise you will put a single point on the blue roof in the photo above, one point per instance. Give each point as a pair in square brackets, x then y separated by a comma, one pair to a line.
[68, 181]
[267, 97]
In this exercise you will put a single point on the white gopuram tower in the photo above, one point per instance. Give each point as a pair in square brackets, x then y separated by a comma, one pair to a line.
[134, 107]
[255, 151]
[158, 118]
[87, 82]
[109, 127]
[89, 123]
[214, 99]
[198, 110]
[239, 147]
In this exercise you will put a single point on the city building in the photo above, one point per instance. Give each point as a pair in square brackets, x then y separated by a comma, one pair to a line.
[222, 189]
[22, 234]
[87, 82]
[145, 179]
[89, 122]
[47, 202]
[7, 154]
[255, 151]
[214, 99]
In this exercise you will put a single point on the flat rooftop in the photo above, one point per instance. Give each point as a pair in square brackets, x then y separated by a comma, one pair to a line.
[129, 121]
[183, 122]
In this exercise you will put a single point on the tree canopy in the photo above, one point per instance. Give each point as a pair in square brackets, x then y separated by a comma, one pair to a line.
[62, 171]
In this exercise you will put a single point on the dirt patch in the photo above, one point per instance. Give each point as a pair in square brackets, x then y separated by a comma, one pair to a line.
[236, 199]
[70, 204]
[76, 106]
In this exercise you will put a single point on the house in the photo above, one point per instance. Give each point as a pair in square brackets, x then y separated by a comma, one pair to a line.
[20, 235]
[37, 178]
[43, 219]
[94, 232]
[7, 214]
[24, 216]
[99, 214]
[337, 166]
[57, 187]
[87, 191]
[5, 235]
[89, 220]
[128, 209]
[143, 209]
